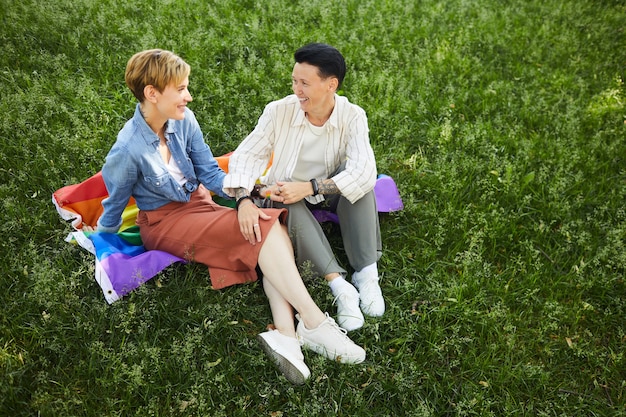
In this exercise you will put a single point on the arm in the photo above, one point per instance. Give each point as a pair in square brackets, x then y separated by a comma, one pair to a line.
[120, 175]
[327, 187]
[292, 192]
[250, 159]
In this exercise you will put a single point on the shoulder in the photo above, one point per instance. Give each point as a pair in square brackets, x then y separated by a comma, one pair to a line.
[281, 112]
[128, 134]
[345, 106]
[348, 113]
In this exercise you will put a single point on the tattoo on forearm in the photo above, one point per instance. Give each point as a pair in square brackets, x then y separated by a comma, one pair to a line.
[241, 192]
[328, 187]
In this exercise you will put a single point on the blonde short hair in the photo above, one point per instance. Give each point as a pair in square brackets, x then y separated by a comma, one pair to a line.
[155, 67]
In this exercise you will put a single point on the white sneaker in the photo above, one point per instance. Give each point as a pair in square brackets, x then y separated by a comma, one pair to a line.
[349, 314]
[286, 354]
[371, 296]
[330, 340]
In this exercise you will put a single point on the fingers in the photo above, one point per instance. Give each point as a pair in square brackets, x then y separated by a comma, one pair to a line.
[248, 232]
[252, 233]
[246, 222]
[249, 216]
[248, 236]
[291, 192]
[278, 192]
[257, 232]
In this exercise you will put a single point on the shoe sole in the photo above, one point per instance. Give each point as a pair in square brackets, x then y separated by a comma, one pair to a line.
[288, 369]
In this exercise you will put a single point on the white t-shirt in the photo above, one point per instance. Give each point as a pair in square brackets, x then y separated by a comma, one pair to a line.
[175, 172]
[311, 153]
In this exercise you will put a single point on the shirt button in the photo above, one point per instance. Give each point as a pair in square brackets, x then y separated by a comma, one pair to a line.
[157, 183]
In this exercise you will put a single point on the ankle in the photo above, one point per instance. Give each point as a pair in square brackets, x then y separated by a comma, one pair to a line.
[311, 322]
[373, 268]
[337, 284]
[285, 332]
[370, 272]
[332, 276]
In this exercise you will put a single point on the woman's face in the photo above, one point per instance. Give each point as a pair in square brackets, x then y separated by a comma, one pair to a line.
[315, 94]
[173, 100]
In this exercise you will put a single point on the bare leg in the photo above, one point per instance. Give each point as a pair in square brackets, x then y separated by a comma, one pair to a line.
[284, 287]
[282, 311]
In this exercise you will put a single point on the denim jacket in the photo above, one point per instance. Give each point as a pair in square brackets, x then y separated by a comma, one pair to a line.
[134, 167]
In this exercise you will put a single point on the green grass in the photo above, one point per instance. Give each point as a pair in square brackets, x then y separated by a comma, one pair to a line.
[503, 124]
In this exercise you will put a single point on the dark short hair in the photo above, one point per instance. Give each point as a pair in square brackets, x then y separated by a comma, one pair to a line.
[326, 58]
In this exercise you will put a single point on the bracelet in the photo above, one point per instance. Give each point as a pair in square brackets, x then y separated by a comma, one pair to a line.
[316, 189]
[247, 197]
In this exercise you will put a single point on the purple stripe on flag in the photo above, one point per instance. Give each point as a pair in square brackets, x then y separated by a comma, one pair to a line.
[127, 266]
[127, 273]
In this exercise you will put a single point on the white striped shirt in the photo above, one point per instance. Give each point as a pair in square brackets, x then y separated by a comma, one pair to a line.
[280, 130]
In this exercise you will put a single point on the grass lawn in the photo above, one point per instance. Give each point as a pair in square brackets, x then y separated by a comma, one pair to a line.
[503, 123]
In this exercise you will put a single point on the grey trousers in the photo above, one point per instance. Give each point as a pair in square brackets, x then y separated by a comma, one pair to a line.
[360, 232]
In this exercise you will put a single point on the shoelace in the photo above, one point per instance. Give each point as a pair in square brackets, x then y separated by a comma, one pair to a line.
[342, 296]
[334, 324]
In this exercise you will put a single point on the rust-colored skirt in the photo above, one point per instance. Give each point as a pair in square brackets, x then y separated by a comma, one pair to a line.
[203, 231]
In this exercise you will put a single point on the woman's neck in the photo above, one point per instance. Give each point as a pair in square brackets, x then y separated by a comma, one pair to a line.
[156, 124]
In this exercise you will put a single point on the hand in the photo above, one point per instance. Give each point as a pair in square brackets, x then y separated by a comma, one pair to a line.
[291, 192]
[249, 216]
